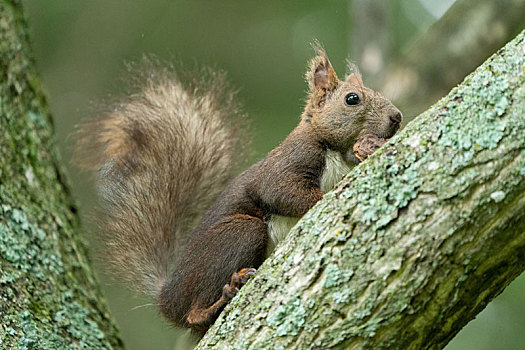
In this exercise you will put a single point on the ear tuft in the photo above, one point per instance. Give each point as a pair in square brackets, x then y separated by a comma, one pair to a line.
[321, 75]
[353, 76]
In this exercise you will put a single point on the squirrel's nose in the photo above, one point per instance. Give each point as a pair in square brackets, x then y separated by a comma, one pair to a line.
[396, 117]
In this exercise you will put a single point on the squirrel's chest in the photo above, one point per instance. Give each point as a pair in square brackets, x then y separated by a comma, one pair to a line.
[334, 170]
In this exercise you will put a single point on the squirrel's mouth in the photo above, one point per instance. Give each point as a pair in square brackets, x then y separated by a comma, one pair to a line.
[388, 133]
[384, 134]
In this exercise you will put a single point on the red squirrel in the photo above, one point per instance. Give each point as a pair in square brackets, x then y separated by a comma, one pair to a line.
[178, 224]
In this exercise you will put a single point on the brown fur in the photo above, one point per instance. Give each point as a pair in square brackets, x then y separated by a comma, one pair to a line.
[163, 154]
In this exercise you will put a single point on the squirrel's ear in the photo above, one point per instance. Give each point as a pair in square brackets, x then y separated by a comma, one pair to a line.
[353, 76]
[321, 75]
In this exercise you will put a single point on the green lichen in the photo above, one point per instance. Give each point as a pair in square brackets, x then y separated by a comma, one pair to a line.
[288, 319]
[23, 244]
[49, 298]
[334, 276]
[343, 296]
[76, 320]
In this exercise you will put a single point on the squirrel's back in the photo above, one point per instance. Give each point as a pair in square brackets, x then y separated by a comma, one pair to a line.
[162, 155]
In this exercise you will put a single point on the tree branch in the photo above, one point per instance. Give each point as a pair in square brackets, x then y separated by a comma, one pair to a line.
[413, 243]
[468, 33]
[50, 296]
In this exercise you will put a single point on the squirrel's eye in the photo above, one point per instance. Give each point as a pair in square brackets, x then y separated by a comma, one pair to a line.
[351, 99]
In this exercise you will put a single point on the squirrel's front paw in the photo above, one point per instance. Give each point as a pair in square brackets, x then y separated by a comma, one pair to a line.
[238, 280]
[367, 145]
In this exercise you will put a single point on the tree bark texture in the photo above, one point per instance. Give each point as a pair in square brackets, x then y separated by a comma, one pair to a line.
[468, 33]
[50, 298]
[413, 243]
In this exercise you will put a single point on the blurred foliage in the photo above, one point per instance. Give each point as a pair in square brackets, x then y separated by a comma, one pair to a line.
[81, 48]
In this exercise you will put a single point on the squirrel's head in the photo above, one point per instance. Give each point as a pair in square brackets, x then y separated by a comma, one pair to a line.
[342, 111]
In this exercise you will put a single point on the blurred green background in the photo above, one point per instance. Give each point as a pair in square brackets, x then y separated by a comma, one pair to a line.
[81, 48]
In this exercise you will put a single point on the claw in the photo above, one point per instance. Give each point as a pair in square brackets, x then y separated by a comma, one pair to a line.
[238, 280]
[246, 274]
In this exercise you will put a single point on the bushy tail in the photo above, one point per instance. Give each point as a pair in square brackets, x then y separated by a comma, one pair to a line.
[161, 155]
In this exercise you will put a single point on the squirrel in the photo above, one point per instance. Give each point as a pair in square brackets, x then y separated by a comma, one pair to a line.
[178, 224]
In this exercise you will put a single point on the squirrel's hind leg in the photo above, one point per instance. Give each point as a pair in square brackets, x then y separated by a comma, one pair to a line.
[239, 243]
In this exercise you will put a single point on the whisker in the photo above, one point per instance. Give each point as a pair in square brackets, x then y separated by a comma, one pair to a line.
[142, 306]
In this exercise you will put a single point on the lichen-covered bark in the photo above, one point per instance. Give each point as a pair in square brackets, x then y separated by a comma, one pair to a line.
[413, 243]
[49, 296]
[461, 40]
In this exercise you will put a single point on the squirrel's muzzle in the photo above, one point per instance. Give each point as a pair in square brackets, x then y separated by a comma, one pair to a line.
[394, 119]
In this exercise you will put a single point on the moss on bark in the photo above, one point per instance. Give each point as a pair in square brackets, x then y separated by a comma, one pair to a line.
[50, 298]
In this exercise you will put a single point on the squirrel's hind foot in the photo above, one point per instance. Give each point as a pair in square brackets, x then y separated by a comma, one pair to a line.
[238, 280]
[199, 318]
